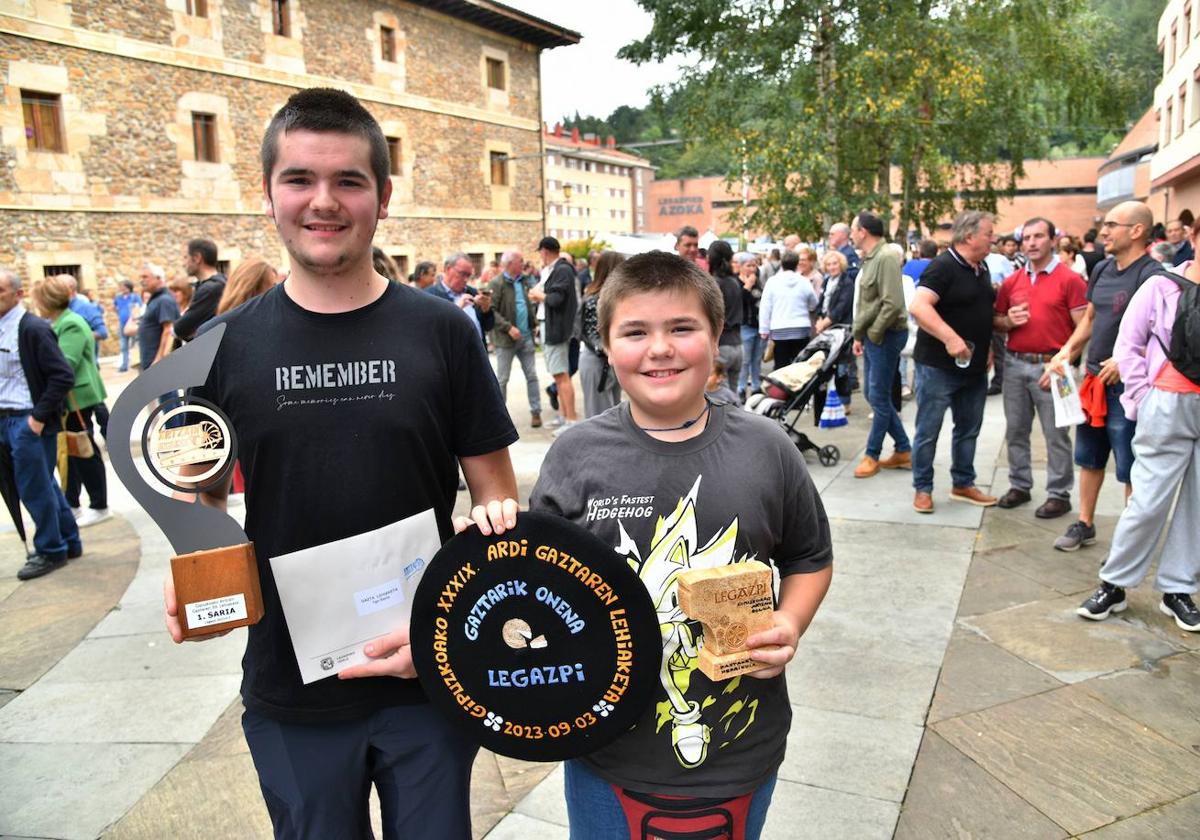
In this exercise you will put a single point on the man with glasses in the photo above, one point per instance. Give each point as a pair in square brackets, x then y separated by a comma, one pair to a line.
[1125, 232]
[457, 270]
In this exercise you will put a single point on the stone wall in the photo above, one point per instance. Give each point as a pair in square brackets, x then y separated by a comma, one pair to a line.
[119, 243]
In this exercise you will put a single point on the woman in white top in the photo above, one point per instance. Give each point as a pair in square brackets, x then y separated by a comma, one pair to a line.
[785, 313]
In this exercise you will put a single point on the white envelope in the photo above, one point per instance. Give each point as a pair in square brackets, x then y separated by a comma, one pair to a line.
[340, 595]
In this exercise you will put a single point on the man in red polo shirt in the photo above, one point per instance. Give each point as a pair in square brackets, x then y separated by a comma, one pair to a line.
[1038, 305]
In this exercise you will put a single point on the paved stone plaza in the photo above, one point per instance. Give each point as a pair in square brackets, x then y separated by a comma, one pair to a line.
[946, 688]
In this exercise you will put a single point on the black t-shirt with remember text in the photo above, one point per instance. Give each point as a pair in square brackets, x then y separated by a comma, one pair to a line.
[345, 423]
[965, 300]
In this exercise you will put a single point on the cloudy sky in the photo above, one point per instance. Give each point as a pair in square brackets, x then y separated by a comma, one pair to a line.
[588, 77]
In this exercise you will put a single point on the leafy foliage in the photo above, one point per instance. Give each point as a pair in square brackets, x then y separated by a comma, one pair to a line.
[814, 100]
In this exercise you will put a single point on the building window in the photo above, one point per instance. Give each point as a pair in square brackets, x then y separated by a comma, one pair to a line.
[1182, 110]
[387, 43]
[499, 161]
[224, 267]
[204, 137]
[75, 271]
[197, 8]
[43, 121]
[495, 74]
[281, 18]
[477, 261]
[1170, 121]
[401, 263]
[395, 148]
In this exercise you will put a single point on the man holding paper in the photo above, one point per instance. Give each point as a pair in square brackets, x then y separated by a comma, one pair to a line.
[337, 452]
[1038, 305]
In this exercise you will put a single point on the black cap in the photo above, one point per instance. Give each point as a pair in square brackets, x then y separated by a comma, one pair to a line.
[549, 243]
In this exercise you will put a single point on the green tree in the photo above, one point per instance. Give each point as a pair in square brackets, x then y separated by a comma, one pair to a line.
[815, 100]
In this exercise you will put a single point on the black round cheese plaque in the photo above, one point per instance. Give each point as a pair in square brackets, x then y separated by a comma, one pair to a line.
[542, 642]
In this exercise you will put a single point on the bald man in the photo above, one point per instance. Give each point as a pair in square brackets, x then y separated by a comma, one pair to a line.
[1126, 233]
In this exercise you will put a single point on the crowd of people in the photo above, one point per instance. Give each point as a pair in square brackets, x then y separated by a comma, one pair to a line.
[666, 346]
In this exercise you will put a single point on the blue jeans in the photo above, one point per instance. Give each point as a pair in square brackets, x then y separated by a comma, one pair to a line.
[594, 812]
[883, 360]
[525, 354]
[55, 532]
[1093, 444]
[124, 349]
[965, 394]
[752, 351]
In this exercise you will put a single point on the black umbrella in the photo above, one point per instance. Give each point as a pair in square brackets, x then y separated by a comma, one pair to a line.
[8, 489]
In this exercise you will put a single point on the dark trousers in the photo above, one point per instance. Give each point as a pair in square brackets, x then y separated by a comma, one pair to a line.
[787, 349]
[316, 778]
[86, 472]
[33, 470]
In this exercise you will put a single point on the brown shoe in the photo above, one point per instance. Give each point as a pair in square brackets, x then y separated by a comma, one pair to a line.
[536, 420]
[1052, 509]
[1013, 498]
[923, 502]
[897, 461]
[972, 495]
[866, 468]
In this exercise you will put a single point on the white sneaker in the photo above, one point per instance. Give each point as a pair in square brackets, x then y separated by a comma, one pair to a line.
[557, 422]
[566, 425]
[93, 516]
[77, 512]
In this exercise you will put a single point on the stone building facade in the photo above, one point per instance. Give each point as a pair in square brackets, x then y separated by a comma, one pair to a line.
[127, 129]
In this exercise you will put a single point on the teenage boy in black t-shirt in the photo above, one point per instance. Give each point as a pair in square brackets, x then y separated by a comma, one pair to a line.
[953, 307]
[354, 401]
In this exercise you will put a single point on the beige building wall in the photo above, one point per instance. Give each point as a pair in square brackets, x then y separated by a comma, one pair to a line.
[1175, 167]
[592, 189]
[125, 186]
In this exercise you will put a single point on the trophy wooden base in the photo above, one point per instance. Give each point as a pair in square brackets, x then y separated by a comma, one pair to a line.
[732, 603]
[217, 589]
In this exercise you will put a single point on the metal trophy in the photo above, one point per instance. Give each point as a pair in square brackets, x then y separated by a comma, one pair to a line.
[187, 445]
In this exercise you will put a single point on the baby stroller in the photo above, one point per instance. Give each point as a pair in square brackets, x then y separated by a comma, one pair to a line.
[788, 390]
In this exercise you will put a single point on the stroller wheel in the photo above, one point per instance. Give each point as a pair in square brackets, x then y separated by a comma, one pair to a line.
[829, 455]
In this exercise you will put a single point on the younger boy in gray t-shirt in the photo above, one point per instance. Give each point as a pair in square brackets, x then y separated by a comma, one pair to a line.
[676, 482]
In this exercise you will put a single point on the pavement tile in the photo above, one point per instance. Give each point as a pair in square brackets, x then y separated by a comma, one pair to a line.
[1049, 635]
[224, 738]
[804, 812]
[6, 696]
[992, 587]
[216, 797]
[1065, 572]
[517, 826]
[951, 797]
[1164, 697]
[977, 674]
[838, 631]
[34, 638]
[75, 790]
[1173, 821]
[851, 753]
[147, 656]
[1143, 613]
[865, 683]
[168, 710]
[1074, 758]
[79, 582]
[129, 618]
[520, 777]
[546, 801]
[889, 499]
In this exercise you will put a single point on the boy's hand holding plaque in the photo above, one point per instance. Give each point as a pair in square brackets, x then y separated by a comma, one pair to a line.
[187, 446]
[732, 603]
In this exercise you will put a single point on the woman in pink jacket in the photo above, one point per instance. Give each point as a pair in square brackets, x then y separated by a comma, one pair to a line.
[1166, 446]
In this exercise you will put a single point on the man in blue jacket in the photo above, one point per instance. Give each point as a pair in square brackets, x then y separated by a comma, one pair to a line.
[34, 379]
[475, 304]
